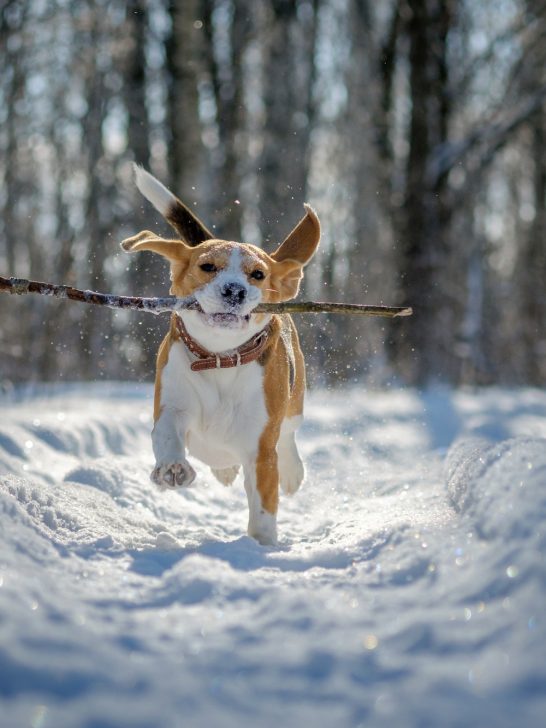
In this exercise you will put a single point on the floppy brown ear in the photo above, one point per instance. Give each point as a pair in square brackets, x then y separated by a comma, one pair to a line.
[171, 249]
[302, 242]
[285, 280]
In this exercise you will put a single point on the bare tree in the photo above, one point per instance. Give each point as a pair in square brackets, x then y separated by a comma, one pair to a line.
[289, 39]
[228, 28]
[423, 239]
[185, 61]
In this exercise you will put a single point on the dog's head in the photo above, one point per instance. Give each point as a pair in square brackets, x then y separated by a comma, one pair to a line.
[227, 279]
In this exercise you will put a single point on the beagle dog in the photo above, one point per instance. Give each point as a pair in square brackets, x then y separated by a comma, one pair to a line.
[229, 383]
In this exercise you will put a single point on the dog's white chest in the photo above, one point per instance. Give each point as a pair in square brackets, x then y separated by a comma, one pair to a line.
[223, 410]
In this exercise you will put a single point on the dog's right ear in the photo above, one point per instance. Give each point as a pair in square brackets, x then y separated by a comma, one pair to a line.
[173, 250]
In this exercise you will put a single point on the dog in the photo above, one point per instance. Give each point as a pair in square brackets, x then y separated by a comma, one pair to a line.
[230, 383]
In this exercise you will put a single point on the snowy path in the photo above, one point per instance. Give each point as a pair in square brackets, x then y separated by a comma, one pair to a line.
[409, 588]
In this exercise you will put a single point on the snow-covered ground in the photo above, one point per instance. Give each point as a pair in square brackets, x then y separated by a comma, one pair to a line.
[409, 587]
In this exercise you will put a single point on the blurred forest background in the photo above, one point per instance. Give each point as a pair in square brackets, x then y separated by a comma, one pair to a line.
[416, 128]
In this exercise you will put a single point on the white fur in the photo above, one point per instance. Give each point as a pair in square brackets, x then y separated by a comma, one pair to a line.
[216, 338]
[261, 525]
[153, 190]
[226, 476]
[218, 415]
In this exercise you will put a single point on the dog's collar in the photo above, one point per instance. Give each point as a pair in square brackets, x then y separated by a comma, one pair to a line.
[244, 354]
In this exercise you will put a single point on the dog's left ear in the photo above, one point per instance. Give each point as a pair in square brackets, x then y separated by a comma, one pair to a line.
[292, 255]
[301, 243]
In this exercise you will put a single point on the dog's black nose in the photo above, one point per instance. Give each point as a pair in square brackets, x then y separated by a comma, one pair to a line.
[234, 293]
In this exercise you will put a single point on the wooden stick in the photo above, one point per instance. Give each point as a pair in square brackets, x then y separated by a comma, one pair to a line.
[21, 286]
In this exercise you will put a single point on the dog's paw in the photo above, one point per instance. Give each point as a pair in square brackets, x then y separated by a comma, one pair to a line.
[174, 475]
[292, 475]
[264, 530]
[226, 476]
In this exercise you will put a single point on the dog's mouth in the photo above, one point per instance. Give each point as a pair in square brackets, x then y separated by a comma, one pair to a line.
[223, 319]
[226, 320]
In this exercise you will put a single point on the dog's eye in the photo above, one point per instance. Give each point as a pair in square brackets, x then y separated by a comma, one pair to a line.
[208, 267]
[258, 275]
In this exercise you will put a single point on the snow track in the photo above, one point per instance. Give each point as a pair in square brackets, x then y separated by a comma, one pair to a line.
[409, 588]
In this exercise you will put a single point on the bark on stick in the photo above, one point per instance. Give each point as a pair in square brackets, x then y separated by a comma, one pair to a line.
[21, 286]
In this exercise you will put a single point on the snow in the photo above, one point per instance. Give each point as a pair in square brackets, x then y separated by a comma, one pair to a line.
[409, 587]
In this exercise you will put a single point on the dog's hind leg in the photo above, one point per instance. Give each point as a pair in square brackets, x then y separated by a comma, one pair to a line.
[226, 476]
[291, 470]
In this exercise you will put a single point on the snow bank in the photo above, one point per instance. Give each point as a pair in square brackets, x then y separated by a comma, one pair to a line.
[408, 588]
[501, 487]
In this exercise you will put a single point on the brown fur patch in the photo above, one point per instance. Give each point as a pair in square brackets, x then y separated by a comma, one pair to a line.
[295, 403]
[281, 400]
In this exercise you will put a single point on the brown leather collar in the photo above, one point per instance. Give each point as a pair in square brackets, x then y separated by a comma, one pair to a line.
[244, 354]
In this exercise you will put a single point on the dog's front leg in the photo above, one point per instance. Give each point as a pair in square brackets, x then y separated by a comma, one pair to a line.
[168, 440]
[262, 490]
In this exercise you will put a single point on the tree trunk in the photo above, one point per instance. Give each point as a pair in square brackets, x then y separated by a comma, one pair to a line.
[184, 50]
[424, 351]
[95, 326]
[533, 276]
[227, 79]
[288, 74]
[149, 274]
